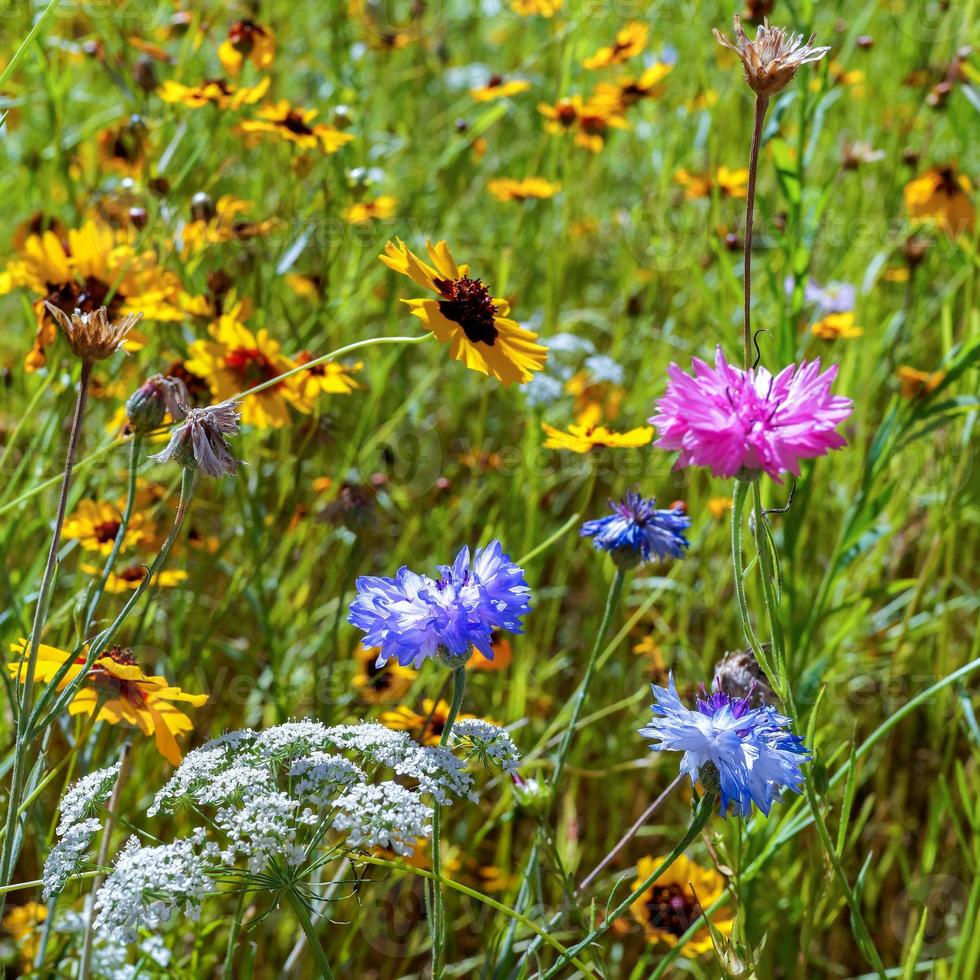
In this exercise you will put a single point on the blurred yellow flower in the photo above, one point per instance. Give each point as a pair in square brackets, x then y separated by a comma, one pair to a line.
[95, 525]
[118, 689]
[475, 324]
[918, 384]
[943, 196]
[673, 903]
[628, 91]
[541, 8]
[426, 728]
[379, 685]
[331, 378]
[500, 647]
[128, 579]
[508, 189]
[718, 507]
[21, 922]
[630, 41]
[582, 439]
[592, 120]
[123, 148]
[376, 210]
[499, 88]
[225, 224]
[295, 125]
[729, 182]
[836, 326]
[247, 41]
[212, 91]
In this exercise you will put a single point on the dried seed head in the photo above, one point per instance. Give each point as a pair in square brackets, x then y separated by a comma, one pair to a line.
[772, 59]
[739, 675]
[149, 405]
[200, 441]
[92, 336]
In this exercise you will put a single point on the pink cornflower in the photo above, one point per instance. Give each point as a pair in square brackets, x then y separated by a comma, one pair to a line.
[739, 423]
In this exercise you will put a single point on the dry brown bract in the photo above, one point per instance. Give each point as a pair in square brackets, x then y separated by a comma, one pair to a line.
[93, 336]
[772, 59]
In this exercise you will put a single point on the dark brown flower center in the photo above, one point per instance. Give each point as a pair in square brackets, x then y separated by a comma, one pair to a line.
[251, 365]
[86, 296]
[106, 531]
[468, 302]
[295, 123]
[135, 573]
[243, 36]
[379, 678]
[670, 909]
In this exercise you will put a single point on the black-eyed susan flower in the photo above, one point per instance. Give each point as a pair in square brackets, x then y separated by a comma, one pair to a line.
[942, 196]
[674, 902]
[95, 525]
[123, 148]
[498, 87]
[331, 378]
[466, 316]
[426, 728]
[128, 579]
[380, 685]
[583, 439]
[306, 287]
[729, 182]
[628, 91]
[630, 41]
[525, 189]
[221, 222]
[591, 120]
[914, 383]
[378, 209]
[836, 326]
[296, 125]
[247, 41]
[213, 91]
[502, 650]
[122, 694]
[235, 359]
[91, 267]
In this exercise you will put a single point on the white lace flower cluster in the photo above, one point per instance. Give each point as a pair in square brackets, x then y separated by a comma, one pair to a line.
[76, 828]
[273, 798]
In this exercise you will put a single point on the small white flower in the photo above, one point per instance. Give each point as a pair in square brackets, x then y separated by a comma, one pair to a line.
[66, 857]
[86, 795]
[490, 743]
[386, 815]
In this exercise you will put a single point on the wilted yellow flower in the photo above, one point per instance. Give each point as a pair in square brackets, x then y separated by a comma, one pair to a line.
[499, 88]
[466, 316]
[582, 439]
[212, 91]
[942, 196]
[296, 125]
[836, 326]
[247, 41]
[507, 189]
[674, 902]
[630, 41]
[118, 689]
[376, 210]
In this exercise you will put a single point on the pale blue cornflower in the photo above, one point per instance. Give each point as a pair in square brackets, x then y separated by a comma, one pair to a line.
[750, 753]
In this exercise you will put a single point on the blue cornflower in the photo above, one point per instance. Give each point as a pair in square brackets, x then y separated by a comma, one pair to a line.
[637, 531]
[752, 749]
[412, 617]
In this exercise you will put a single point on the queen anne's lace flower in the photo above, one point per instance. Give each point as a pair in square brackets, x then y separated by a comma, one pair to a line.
[742, 422]
[86, 795]
[66, 857]
[488, 742]
[386, 815]
[752, 751]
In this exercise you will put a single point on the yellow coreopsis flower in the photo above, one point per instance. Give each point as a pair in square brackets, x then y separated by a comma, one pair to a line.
[466, 316]
[942, 196]
[730, 182]
[673, 903]
[499, 88]
[128, 579]
[427, 727]
[377, 210]
[95, 525]
[591, 120]
[630, 41]
[22, 922]
[583, 438]
[330, 378]
[628, 91]
[235, 360]
[93, 266]
[379, 685]
[295, 125]
[836, 326]
[508, 189]
[222, 224]
[118, 689]
[212, 91]
[247, 41]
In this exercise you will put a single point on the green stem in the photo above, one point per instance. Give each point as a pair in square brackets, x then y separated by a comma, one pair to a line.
[767, 569]
[761, 104]
[228, 970]
[26, 43]
[612, 601]
[303, 914]
[437, 899]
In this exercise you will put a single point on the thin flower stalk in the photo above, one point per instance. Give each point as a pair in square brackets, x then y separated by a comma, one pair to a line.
[761, 104]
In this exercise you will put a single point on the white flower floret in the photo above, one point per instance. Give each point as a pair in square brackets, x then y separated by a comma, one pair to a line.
[490, 743]
[86, 795]
[66, 857]
[386, 815]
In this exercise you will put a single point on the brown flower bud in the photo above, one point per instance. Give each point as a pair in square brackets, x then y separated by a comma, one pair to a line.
[92, 336]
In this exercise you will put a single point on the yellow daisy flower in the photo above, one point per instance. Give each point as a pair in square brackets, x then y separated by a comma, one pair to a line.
[630, 41]
[942, 196]
[121, 692]
[22, 922]
[730, 182]
[332, 378]
[592, 120]
[425, 728]
[500, 647]
[96, 525]
[499, 88]
[507, 189]
[123, 148]
[668, 908]
[212, 91]
[307, 287]
[296, 125]
[836, 326]
[466, 316]
[582, 439]
[377, 210]
[236, 359]
[214, 224]
[247, 41]
[128, 579]
[628, 91]
[379, 685]
[93, 266]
